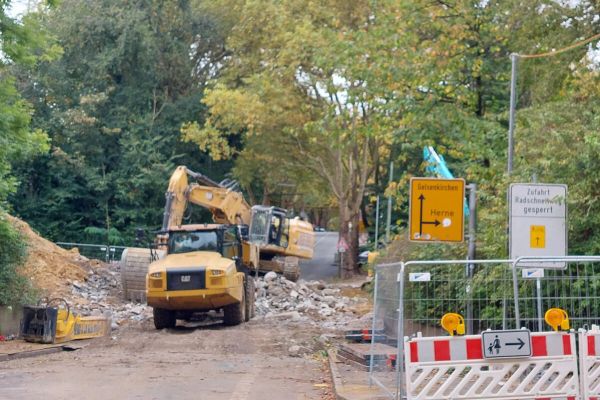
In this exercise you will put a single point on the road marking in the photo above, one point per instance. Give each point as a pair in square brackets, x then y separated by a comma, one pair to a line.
[244, 386]
[321, 239]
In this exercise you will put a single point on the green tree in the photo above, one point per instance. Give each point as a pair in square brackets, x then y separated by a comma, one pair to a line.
[305, 75]
[131, 73]
[22, 44]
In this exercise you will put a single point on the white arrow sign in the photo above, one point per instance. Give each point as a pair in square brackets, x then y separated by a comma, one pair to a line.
[506, 344]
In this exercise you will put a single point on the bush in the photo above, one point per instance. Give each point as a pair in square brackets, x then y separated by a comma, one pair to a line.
[14, 288]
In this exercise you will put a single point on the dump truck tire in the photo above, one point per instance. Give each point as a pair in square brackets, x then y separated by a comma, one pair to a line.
[164, 318]
[250, 296]
[134, 267]
[291, 269]
[235, 314]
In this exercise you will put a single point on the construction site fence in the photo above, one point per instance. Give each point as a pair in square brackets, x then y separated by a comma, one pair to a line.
[410, 299]
[106, 253]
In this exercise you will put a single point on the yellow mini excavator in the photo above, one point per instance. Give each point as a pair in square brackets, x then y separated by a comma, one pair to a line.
[201, 267]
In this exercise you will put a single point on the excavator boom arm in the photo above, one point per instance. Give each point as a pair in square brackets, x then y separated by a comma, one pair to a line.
[226, 205]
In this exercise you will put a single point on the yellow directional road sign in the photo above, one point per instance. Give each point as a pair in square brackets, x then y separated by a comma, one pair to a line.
[436, 210]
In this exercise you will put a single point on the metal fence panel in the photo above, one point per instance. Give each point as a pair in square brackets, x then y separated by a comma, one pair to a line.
[101, 252]
[497, 295]
[575, 289]
[383, 369]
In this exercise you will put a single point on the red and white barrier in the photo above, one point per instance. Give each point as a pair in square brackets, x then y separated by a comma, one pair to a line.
[440, 368]
[589, 359]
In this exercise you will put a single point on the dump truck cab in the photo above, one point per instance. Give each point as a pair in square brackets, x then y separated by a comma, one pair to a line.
[206, 267]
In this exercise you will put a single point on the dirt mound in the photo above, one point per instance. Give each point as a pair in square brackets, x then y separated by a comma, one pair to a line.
[50, 267]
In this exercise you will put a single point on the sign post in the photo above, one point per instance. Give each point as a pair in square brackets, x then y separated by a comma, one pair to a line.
[538, 227]
[436, 210]
[342, 247]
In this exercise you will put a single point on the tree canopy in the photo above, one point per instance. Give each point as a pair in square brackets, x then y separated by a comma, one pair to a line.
[305, 103]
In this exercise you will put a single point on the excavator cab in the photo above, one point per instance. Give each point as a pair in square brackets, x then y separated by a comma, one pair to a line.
[269, 226]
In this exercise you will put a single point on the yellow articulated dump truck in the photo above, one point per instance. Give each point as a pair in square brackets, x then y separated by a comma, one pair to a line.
[201, 267]
[282, 241]
[206, 267]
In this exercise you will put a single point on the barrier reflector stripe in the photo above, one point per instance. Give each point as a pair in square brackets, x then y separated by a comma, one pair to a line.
[474, 349]
[566, 342]
[441, 350]
[414, 354]
[538, 346]
[591, 345]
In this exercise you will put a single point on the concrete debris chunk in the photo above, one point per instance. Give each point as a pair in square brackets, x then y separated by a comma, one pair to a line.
[313, 301]
[294, 351]
[269, 276]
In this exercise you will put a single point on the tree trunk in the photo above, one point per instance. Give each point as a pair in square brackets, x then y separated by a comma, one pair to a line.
[354, 234]
[348, 230]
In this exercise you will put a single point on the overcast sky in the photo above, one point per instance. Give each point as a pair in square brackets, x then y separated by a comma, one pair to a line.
[17, 7]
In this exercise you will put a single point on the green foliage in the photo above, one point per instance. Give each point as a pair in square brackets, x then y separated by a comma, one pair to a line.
[15, 289]
[130, 74]
[101, 235]
[22, 45]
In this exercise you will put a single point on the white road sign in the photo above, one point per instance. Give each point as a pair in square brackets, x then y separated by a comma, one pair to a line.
[533, 273]
[538, 223]
[506, 344]
[419, 277]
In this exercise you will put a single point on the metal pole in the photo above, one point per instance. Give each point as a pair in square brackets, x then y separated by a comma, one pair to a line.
[377, 224]
[371, 358]
[513, 105]
[538, 284]
[400, 345]
[389, 206]
[471, 252]
[516, 296]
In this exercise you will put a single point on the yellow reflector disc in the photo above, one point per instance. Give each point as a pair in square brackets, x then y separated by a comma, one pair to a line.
[557, 318]
[453, 324]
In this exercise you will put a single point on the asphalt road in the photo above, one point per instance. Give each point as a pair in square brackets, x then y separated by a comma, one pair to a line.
[246, 362]
[321, 266]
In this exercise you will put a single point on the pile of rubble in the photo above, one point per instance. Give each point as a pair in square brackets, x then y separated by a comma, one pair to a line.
[307, 301]
[100, 294]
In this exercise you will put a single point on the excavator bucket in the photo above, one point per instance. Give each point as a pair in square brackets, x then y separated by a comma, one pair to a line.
[53, 324]
[39, 324]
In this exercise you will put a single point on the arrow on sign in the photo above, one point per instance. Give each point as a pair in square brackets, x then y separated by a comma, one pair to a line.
[421, 222]
[520, 343]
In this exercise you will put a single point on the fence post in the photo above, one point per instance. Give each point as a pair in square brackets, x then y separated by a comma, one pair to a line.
[471, 252]
[516, 295]
[373, 328]
[400, 349]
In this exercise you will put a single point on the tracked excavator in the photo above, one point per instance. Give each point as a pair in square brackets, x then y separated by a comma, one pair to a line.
[201, 267]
